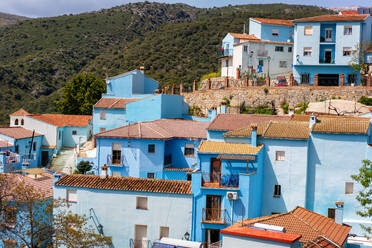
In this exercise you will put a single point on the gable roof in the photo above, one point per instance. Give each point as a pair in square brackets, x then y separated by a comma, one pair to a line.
[20, 112]
[114, 103]
[349, 12]
[17, 132]
[342, 125]
[274, 21]
[126, 184]
[308, 224]
[160, 129]
[333, 18]
[61, 120]
[275, 130]
[217, 147]
[244, 36]
[228, 122]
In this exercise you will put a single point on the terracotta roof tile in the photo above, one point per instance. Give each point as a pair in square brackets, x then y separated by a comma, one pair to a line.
[350, 12]
[160, 129]
[217, 147]
[61, 120]
[306, 223]
[4, 143]
[229, 122]
[114, 103]
[20, 112]
[342, 125]
[17, 132]
[244, 36]
[274, 21]
[333, 18]
[271, 42]
[126, 184]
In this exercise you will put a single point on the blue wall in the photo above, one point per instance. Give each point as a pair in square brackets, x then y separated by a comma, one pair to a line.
[114, 118]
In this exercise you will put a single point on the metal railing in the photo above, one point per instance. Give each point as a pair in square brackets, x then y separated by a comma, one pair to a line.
[214, 215]
[112, 161]
[217, 244]
[142, 243]
[225, 180]
[324, 61]
[225, 52]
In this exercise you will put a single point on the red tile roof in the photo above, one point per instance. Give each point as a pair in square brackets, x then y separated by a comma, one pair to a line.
[321, 242]
[349, 12]
[228, 122]
[114, 103]
[61, 120]
[333, 18]
[306, 223]
[4, 143]
[17, 132]
[20, 112]
[274, 21]
[239, 230]
[271, 42]
[160, 129]
[244, 36]
[126, 184]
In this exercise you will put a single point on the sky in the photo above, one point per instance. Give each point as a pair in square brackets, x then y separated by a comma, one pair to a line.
[46, 8]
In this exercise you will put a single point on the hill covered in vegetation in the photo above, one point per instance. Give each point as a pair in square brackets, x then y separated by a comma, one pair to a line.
[175, 42]
[7, 19]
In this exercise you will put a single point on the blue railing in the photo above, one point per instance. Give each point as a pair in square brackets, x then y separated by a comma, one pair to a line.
[225, 52]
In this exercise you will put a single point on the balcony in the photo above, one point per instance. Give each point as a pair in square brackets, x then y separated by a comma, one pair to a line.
[225, 52]
[115, 160]
[220, 180]
[326, 61]
[214, 216]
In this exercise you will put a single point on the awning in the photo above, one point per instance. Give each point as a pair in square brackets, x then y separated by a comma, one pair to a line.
[236, 157]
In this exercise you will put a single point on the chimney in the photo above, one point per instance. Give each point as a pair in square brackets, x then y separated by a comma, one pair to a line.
[142, 69]
[312, 121]
[103, 174]
[212, 113]
[339, 213]
[290, 110]
[223, 108]
[254, 135]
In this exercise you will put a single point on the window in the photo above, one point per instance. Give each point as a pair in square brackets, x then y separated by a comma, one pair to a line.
[347, 51]
[34, 146]
[331, 213]
[151, 175]
[277, 190]
[348, 30]
[116, 174]
[22, 122]
[279, 49]
[16, 122]
[227, 63]
[351, 78]
[16, 150]
[189, 149]
[102, 129]
[151, 148]
[308, 30]
[305, 78]
[164, 232]
[245, 48]
[275, 32]
[167, 159]
[280, 156]
[328, 34]
[308, 51]
[74, 132]
[10, 216]
[102, 115]
[116, 153]
[283, 64]
[189, 177]
[290, 49]
[261, 62]
[59, 135]
[349, 188]
[141, 203]
[71, 195]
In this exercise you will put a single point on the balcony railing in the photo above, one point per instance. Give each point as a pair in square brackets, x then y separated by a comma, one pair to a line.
[214, 215]
[326, 61]
[224, 180]
[323, 39]
[119, 161]
[225, 52]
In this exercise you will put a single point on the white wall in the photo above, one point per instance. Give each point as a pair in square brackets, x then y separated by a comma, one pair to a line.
[49, 131]
[227, 71]
[346, 41]
[233, 241]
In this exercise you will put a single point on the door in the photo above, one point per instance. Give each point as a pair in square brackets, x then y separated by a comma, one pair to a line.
[213, 208]
[215, 176]
[140, 234]
[328, 79]
[328, 34]
[328, 56]
[44, 158]
[212, 236]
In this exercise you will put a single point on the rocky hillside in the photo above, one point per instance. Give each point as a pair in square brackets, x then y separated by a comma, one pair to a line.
[7, 19]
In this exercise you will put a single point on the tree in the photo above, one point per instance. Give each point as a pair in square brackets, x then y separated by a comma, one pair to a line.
[358, 58]
[83, 167]
[364, 197]
[80, 94]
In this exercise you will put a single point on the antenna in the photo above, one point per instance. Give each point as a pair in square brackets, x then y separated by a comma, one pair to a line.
[244, 29]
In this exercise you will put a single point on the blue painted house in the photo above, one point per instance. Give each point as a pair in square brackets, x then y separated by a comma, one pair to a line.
[324, 46]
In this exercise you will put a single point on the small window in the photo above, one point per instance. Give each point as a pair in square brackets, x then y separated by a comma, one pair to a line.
[71, 195]
[102, 129]
[189, 149]
[351, 78]
[348, 30]
[275, 32]
[290, 49]
[22, 122]
[189, 177]
[245, 48]
[59, 134]
[164, 232]
[16, 149]
[116, 174]
[283, 64]
[116, 153]
[308, 30]
[261, 62]
[279, 49]
[151, 148]
[277, 190]
[16, 122]
[141, 203]
[280, 156]
[347, 51]
[331, 213]
[305, 78]
[11, 216]
[34, 146]
[102, 115]
[308, 51]
[74, 132]
[349, 188]
[151, 175]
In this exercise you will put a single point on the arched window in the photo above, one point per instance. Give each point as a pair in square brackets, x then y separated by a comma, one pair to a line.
[16, 122]
[22, 122]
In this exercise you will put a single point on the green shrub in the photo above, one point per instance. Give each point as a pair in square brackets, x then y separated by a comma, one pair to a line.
[210, 75]
[285, 108]
[365, 100]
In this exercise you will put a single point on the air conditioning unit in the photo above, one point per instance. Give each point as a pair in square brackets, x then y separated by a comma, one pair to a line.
[232, 196]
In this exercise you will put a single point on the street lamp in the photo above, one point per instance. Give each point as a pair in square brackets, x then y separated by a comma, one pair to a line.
[268, 66]
[187, 236]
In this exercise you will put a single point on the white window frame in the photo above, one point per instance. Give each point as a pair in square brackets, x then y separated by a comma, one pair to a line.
[71, 195]
[245, 48]
[279, 155]
[189, 146]
[346, 51]
[350, 30]
[275, 32]
[328, 39]
[349, 188]
[102, 115]
[308, 30]
[142, 203]
[308, 51]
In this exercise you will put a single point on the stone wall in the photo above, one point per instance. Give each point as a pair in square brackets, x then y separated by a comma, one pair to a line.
[257, 96]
